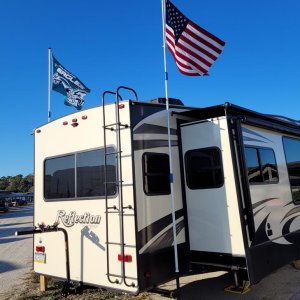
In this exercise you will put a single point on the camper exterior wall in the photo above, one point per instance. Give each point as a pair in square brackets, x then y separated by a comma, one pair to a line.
[271, 200]
[275, 214]
[154, 221]
[85, 218]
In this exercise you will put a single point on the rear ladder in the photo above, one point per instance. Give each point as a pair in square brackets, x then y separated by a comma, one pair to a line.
[116, 126]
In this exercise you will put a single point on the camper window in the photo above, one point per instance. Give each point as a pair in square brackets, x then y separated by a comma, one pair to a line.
[292, 154]
[59, 177]
[156, 172]
[80, 175]
[204, 168]
[261, 165]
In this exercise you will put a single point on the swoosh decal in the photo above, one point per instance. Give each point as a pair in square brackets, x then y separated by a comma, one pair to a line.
[293, 211]
[147, 233]
[156, 129]
[246, 130]
[257, 204]
[258, 211]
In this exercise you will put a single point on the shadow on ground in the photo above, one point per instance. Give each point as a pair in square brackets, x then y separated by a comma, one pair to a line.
[7, 266]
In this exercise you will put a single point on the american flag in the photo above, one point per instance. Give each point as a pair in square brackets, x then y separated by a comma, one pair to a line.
[193, 48]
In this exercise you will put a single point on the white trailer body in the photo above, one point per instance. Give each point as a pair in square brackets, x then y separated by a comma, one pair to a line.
[105, 180]
[70, 151]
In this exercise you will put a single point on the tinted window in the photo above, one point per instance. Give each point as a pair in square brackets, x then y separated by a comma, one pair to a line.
[60, 177]
[268, 164]
[80, 175]
[156, 173]
[253, 166]
[261, 165]
[204, 168]
[91, 176]
[292, 154]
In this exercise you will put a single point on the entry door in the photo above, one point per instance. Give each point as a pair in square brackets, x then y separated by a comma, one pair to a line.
[207, 212]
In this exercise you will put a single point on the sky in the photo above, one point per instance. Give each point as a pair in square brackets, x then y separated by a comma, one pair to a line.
[111, 43]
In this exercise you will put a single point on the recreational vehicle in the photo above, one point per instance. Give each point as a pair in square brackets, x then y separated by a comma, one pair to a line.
[102, 177]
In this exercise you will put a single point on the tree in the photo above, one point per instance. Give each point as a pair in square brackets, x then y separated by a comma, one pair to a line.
[26, 183]
[3, 183]
[17, 183]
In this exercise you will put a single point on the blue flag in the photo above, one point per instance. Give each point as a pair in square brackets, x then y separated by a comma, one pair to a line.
[66, 83]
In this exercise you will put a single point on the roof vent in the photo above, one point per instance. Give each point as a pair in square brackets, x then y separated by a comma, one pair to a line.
[172, 101]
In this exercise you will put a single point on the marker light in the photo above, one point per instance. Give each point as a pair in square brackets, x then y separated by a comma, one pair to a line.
[38, 131]
[84, 117]
[65, 123]
[74, 120]
[121, 106]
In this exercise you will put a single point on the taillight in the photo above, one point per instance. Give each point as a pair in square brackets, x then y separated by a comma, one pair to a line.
[40, 248]
[125, 258]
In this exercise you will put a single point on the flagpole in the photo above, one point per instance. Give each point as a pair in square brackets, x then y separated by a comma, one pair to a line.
[49, 84]
[170, 150]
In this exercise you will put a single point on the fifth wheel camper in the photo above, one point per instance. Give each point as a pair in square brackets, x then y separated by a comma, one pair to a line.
[102, 178]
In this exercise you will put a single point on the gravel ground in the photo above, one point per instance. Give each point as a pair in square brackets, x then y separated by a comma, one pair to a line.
[15, 252]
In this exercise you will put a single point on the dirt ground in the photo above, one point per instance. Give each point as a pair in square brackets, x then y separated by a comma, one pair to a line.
[29, 290]
[283, 284]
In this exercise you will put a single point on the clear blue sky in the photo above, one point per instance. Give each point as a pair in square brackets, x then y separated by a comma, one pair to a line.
[112, 43]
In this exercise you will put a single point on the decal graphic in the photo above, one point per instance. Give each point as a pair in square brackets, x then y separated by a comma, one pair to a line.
[274, 221]
[152, 128]
[248, 135]
[73, 218]
[159, 234]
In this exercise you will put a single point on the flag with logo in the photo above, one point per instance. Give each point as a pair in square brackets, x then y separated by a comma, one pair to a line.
[193, 48]
[66, 83]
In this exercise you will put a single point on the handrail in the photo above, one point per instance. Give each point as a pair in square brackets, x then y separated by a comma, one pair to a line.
[127, 88]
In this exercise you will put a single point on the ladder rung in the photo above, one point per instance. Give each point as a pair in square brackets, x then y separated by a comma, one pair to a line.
[108, 126]
[112, 124]
[111, 207]
[119, 213]
[127, 184]
[120, 276]
[112, 243]
[111, 153]
[118, 183]
[129, 207]
[119, 244]
[113, 182]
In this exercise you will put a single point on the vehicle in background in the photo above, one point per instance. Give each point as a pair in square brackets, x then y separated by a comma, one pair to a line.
[19, 200]
[3, 205]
